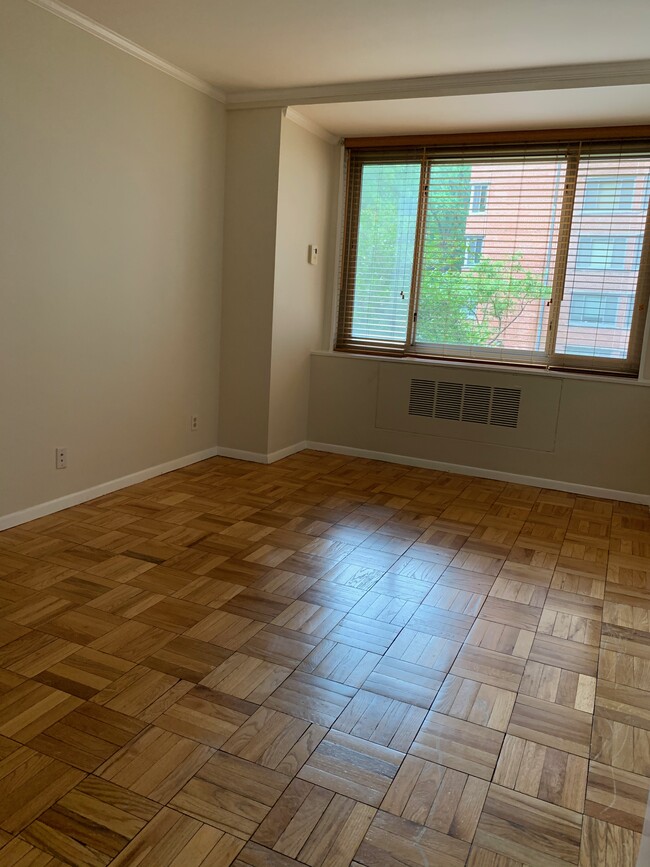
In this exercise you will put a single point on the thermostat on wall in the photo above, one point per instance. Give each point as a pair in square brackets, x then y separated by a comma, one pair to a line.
[313, 254]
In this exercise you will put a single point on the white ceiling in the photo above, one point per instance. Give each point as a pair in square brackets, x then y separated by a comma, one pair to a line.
[594, 106]
[259, 44]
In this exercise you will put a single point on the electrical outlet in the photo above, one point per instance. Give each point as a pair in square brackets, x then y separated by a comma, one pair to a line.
[194, 422]
[61, 459]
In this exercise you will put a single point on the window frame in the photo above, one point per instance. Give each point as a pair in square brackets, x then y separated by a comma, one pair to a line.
[414, 149]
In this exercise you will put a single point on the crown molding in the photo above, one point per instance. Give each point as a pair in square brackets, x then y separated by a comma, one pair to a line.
[132, 48]
[461, 84]
[310, 125]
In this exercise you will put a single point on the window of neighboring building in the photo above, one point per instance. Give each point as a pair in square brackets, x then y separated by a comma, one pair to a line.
[473, 250]
[602, 253]
[609, 193]
[478, 198]
[416, 281]
[599, 310]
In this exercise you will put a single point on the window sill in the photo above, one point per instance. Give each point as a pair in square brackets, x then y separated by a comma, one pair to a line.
[611, 379]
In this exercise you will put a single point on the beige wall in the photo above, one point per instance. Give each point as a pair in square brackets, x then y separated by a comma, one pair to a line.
[252, 172]
[602, 440]
[110, 258]
[307, 183]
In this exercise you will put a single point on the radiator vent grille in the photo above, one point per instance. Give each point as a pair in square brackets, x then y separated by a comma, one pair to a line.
[423, 393]
[457, 401]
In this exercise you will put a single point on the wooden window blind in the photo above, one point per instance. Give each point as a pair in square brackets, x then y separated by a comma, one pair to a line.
[550, 270]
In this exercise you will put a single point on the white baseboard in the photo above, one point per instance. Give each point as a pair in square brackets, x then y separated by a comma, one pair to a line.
[74, 499]
[460, 469]
[22, 517]
[261, 457]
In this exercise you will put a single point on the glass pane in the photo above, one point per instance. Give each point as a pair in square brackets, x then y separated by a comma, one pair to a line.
[487, 276]
[385, 245]
[603, 258]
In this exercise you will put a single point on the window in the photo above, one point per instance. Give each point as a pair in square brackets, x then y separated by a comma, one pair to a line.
[601, 253]
[546, 274]
[473, 250]
[478, 198]
[598, 309]
[609, 193]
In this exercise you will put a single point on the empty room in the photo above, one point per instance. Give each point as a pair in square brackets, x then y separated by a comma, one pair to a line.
[324, 433]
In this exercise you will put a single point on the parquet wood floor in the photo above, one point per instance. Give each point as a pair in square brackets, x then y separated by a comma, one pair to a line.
[328, 661]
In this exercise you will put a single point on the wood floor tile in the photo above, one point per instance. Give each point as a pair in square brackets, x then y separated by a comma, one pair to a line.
[441, 623]
[187, 658]
[452, 599]
[395, 841]
[464, 579]
[175, 615]
[329, 594]
[569, 627]
[179, 841]
[206, 716]
[475, 702]
[311, 619]
[437, 797]
[364, 633]
[32, 653]
[19, 853]
[501, 638]
[606, 845]
[280, 646]
[623, 703]
[528, 830]
[542, 772]
[29, 784]
[257, 605]
[381, 720]
[313, 824]
[515, 590]
[84, 673]
[91, 824]
[30, 708]
[489, 667]
[87, 736]
[551, 725]
[231, 794]
[617, 796]
[565, 654]
[402, 586]
[568, 688]
[156, 764]
[621, 745]
[82, 625]
[352, 767]
[405, 681]
[309, 697]
[226, 630]
[385, 608]
[458, 744]
[340, 662]
[424, 649]
[142, 693]
[134, 641]
[247, 677]
[275, 740]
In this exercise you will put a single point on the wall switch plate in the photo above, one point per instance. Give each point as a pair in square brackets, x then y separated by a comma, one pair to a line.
[61, 459]
[313, 254]
[194, 422]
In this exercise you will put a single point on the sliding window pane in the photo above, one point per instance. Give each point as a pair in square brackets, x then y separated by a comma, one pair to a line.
[603, 257]
[384, 257]
[487, 275]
